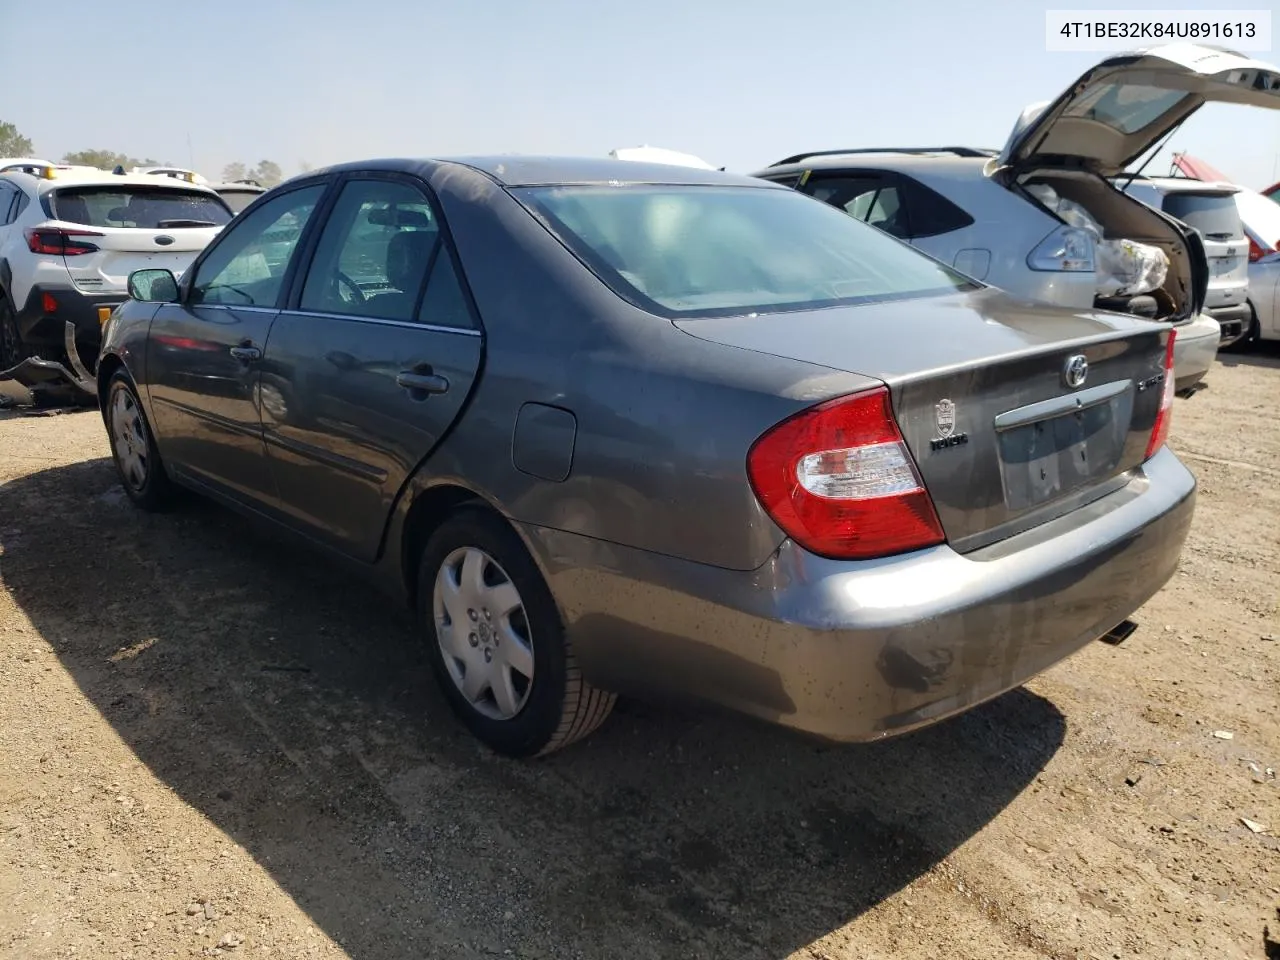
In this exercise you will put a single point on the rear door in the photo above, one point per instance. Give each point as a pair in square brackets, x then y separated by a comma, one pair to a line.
[369, 365]
[136, 227]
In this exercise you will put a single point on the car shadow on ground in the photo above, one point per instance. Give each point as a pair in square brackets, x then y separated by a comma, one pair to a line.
[1264, 353]
[294, 708]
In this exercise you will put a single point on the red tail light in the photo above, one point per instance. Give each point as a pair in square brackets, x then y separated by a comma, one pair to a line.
[1257, 251]
[1160, 432]
[59, 241]
[839, 480]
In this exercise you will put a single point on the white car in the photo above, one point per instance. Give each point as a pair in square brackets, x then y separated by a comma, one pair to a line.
[70, 237]
[1261, 218]
[985, 212]
[1211, 209]
[238, 194]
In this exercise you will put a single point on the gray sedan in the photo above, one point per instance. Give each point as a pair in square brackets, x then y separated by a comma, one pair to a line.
[615, 427]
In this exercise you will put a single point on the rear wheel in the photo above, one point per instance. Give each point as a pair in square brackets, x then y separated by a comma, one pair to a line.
[12, 348]
[496, 641]
[133, 447]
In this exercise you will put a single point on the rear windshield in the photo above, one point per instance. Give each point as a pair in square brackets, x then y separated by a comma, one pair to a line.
[1127, 107]
[709, 250]
[237, 200]
[155, 208]
[1216, 216]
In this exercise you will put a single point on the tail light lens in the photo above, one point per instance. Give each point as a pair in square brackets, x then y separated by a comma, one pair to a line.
[1257, 251]
[1067, 249]
[1160, 432]
[839, 480]
[59, 241]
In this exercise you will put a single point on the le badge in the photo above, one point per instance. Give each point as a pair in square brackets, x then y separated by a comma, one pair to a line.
[944, 412]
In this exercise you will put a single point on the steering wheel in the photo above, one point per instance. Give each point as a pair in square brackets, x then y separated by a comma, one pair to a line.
[340, 279]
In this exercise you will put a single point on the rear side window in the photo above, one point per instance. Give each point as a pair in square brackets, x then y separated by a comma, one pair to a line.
[147, 207]
[719, 251]
[1215, 216]
[900, 206]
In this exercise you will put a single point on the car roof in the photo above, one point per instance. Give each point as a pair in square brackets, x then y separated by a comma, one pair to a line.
[99, 178]
[531, 171]
[876, 159]
[1186, 185]
[230, 185]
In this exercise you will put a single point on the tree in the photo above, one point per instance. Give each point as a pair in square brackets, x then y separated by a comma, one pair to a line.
[234, 171]
[304, 167]
[268, 173]
[106, 159]
[12, 143]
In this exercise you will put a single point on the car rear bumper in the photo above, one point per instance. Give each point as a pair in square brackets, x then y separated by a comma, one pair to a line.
[42, 327]
[1194, 350]
[1233, 321]
[854, 651]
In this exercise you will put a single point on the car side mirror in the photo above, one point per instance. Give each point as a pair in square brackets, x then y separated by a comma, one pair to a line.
[153, 286]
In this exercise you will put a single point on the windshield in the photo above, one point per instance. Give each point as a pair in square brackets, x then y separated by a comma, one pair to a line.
[237, 200]
[154, 208]
[1214, 215]
[695, 250]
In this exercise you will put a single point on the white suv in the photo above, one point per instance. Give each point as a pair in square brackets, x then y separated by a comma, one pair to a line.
[70, 237]
[1211, 209]
[1001, 217]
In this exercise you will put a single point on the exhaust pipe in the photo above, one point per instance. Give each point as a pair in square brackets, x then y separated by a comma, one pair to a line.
[1119, 633]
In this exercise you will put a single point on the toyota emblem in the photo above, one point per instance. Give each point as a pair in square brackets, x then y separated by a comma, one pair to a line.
[1076, 372]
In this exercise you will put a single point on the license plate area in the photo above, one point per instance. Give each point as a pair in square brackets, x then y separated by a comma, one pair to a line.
[1047, 458]
[1221, 266]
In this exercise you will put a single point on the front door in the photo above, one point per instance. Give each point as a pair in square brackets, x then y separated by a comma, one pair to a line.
[367, 368]
[204, 352]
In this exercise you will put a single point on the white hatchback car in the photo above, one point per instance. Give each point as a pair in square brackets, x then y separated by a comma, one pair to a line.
[984, 211]
[70, 237]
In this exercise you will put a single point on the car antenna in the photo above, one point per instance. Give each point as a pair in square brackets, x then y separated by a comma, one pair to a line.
[1160, 146]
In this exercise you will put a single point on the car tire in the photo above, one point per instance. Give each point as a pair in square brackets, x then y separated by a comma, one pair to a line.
[133, 446]
[496, 641]
[12, 348]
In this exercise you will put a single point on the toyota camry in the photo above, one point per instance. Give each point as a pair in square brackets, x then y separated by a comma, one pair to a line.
[623, 428]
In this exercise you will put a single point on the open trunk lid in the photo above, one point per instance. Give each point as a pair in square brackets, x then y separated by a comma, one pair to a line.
[1115, 112]
[1015, 413]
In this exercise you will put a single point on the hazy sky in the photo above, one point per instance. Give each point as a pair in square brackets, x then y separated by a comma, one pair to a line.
[741, 84]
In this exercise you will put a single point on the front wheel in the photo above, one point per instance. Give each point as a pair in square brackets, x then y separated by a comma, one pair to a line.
[133, 447]
[496, 641]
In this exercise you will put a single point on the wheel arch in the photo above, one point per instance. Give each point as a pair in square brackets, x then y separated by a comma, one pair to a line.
[426, 509]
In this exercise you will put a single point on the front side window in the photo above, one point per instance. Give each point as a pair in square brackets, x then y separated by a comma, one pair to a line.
[154, 208]
[707, 251]
[1127, 107]
[248, 265]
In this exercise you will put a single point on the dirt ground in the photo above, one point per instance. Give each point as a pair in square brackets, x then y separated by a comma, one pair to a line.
[213, 744]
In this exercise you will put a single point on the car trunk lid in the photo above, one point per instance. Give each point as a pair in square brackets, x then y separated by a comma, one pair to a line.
[134, 227]
[985, 394]
[1116, 111]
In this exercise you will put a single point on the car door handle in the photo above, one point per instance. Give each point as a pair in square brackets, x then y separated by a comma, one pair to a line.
[419, 383]
[246, 353]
